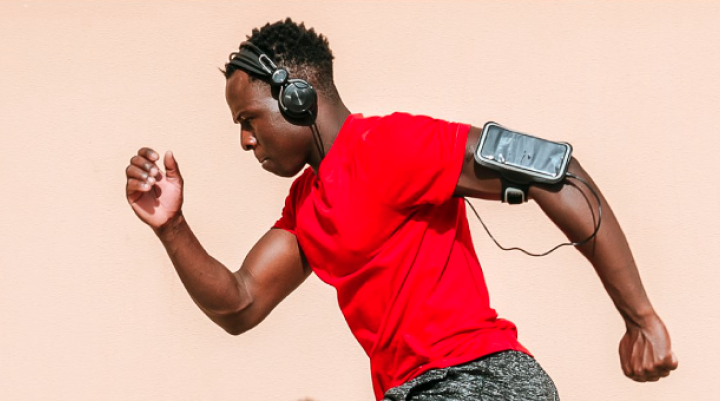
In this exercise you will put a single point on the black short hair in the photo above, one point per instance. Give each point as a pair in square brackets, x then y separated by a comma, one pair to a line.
[303, 52]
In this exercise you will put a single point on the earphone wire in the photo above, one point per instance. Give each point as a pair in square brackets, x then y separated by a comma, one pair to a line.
[318, 140]
[597, 226]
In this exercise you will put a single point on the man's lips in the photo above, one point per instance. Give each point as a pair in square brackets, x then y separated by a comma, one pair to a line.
[260, 158]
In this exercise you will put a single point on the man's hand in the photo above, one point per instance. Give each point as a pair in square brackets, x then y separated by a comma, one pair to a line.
[156, 197]
[645, 352]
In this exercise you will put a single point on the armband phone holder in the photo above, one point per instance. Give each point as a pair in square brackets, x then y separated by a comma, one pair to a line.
[521, 160]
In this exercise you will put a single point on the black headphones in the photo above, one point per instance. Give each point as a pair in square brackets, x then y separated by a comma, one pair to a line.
[297, 99]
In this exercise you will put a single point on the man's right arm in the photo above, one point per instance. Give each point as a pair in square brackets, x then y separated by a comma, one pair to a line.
[235, 301]
[238, 301]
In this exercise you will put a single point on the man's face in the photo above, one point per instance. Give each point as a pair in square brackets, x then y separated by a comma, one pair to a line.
[282, 148]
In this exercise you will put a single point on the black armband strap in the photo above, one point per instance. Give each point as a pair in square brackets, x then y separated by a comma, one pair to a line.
[513, 193]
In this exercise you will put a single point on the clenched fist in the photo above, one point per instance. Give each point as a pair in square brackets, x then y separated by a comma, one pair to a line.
[154, 195]
[645, 351]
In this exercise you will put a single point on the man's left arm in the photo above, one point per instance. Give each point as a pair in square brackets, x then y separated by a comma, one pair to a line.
[645, 350]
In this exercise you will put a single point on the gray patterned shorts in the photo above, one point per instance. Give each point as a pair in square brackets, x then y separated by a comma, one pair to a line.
[504, 376]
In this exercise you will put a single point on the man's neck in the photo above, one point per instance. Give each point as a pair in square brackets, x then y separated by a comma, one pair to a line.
[329, 124]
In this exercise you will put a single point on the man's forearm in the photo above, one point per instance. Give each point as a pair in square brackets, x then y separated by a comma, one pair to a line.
[210, 284]
[571, 207]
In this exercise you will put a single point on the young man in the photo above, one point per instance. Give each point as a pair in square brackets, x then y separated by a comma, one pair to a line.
[379, 215]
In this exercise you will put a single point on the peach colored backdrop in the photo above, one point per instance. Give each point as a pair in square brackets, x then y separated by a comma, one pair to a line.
[91, 309]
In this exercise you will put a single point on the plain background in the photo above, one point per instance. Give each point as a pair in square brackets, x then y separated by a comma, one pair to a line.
[91, 308]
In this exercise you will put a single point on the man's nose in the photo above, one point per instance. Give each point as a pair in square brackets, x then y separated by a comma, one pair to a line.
[247, 140]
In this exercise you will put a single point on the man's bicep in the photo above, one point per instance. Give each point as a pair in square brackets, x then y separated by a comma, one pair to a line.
[476, 181]
[273, 269]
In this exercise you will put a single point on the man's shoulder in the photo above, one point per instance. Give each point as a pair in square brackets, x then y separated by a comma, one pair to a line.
[394, 117]
[397, 123]
[378, 139]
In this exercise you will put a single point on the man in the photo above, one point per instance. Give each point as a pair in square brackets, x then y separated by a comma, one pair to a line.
[379, 215]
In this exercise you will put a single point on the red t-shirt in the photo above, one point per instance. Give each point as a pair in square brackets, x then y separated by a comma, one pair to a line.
[380, 225]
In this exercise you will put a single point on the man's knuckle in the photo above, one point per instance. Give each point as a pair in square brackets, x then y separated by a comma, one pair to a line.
[669, 361]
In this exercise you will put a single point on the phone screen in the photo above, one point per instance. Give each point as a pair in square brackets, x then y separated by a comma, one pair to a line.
[524, 152]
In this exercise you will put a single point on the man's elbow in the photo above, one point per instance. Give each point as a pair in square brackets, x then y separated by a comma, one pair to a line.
[235, 322]
[236, 326]
[235, 329]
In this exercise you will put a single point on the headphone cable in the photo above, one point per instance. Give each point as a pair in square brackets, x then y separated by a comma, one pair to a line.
[318, 140]
[597, 227]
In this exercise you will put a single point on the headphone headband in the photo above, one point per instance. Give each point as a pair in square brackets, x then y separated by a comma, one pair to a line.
[297, 98]
[251, 59]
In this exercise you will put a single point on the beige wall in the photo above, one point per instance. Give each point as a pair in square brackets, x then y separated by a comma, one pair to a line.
[91, 309]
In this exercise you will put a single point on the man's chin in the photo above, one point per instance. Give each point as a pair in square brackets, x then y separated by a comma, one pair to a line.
[269, 166]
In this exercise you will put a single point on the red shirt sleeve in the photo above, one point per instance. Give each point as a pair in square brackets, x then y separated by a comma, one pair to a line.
[413, 160]
[288, 219]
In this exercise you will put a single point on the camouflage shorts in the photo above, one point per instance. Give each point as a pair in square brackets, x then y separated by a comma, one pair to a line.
[505, 376]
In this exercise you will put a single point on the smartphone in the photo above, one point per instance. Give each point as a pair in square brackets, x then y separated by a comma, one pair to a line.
[522, 157]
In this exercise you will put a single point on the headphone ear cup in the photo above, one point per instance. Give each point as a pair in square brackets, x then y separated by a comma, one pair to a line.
[297, 98]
